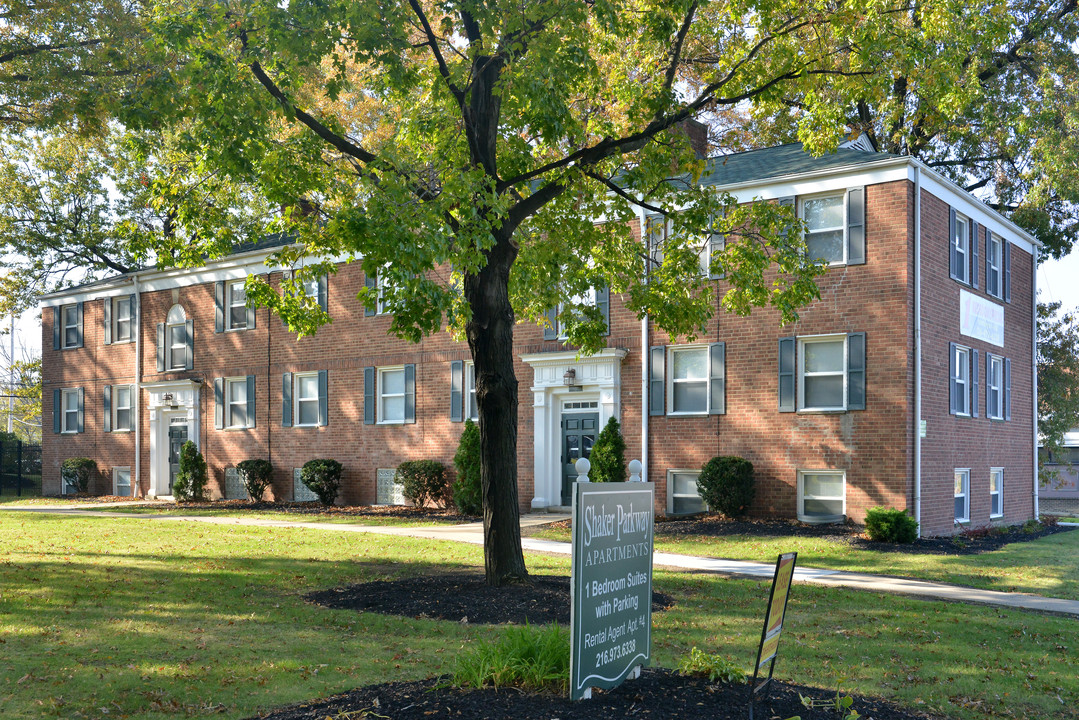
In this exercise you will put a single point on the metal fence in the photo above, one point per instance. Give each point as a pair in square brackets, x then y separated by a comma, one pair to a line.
[20, 468]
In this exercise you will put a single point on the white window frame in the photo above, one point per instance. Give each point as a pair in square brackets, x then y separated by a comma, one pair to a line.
[962, 377]
[116, 481]
[995, 268]
[811, 339]
[64, 427]
[961, 242]
[230, 324]
[117, 335]
[116, 407]
[171, 324]
[671, 495]
[997, 472]
[382, 396]
[842, 227]
[996, 363]
[588, 300]
[673, 350]
[963, 473]
[472, 410]
[229, 383]
[65, 312]
[380, 285]
[802, 515]
[297, 399]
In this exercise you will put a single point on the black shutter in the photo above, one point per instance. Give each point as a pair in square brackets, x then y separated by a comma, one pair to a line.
[251, 317]
[78, 328]
[323, 398]
[1006, 251]
[786, 374]
[368, 396]
[370, 282]
[107, 307]
[953, 265]
[856, 226]
[56, 411]
[106, 401]
[189, 356]
[974, 233]
[603, 302]
[953, 386]
[161, 347]
[286, 399]
[410, 393]
[717, 379]
[988, 266]
[1007, 389]
[323, 293]
[457, 383]
[219, 403]
[250, 401]
[219, 306]
[82, 397]
[655, 380]
[856, 371]
[56, 315]
[974, 383]
[550, 330]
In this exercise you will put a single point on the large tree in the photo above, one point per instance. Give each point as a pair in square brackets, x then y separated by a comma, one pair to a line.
[1058, 377]
[462, 151]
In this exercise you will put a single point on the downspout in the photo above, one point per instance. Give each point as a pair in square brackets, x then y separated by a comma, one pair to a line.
[918, 347]
[1034, 370]
[138, 378]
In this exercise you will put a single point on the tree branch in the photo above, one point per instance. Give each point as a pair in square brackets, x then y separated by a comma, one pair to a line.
[432, 41]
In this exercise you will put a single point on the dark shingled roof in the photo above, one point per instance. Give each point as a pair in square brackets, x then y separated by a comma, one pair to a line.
[779, 161]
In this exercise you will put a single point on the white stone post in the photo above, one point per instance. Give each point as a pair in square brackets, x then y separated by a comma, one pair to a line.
[635, 470]
[583, 466]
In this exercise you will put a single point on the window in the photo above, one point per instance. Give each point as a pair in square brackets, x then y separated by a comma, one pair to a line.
[122, 312]
[236, 409]
[996, 492]
[659, 231]
[596, 297]
[960, 384]
[696, 383]
[307, 399]
[822, 371]
[387, 490]
[300, 492]
[122, 407]
[237, 306]
[471, 409]
[177, 340]
[71, 408]
[961, 248]
[822, 495]
[71, 328]
[994, 387]
[682, 495]
[391, 395]
[962, 495]
[688, 388]
[234, 488]
[994, 261]
[825, 236]
[121, 481]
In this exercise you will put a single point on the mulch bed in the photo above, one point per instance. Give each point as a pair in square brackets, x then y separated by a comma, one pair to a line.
[404, 512]
[462, 597]
[968, 543]
[657, 694]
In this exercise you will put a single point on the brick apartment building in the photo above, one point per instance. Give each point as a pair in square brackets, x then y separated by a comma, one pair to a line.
[910, 382]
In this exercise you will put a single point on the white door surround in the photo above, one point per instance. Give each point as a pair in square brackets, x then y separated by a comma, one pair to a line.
[172, 402]
[599, 379]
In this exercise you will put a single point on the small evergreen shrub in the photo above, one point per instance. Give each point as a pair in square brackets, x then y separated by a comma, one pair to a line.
[77, 471]
[726, 484]
[714, 667]
[529, 658]
[890, 525]
[255, 475]
[423, 481]
[608, 456]
[190, 483]
[322, 477]
[467, 492]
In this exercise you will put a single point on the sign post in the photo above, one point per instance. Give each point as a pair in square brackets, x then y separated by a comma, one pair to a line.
[773, 627]
[611, 586]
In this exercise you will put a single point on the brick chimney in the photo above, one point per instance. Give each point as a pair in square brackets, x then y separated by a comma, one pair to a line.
[697, 132]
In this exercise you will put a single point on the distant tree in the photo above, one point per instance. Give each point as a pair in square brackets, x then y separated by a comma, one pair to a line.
[608, 456]
[1058, 378]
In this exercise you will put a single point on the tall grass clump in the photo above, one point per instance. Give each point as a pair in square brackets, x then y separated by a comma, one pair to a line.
[529, 658]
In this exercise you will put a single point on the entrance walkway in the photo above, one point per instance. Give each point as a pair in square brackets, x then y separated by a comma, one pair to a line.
[473, 533]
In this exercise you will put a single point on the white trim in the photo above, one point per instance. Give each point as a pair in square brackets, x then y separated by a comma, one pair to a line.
[672, 350]
[115, 407]
[229, 383]
[966, 365]
[999, 493]
[471, 409]
[115, 481]
[117, 303]
[965, 494]
[380, 395]
[672, 495]
[842, 227]
[962, 232]
[74, 307]
[801, 372]
[800, 509]
[229, 305]
[990, 358]
[947, 191]
[296, 377]
[64, 394]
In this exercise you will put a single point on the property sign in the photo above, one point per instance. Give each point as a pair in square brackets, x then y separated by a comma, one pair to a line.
[773, 621]
[611, 587]
[980, 318]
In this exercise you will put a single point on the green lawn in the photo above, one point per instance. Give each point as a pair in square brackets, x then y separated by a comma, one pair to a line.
[283, 515]
[104, 617]
[1047, 566]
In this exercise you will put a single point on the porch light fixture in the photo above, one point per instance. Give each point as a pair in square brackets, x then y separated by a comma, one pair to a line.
[168, 399]
[570, 378]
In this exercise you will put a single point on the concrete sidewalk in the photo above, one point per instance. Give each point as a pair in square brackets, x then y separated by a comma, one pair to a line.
[472, 533]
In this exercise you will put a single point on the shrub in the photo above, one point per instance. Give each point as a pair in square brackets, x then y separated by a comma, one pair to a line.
[467, 492]
[714, 667]
[608, 456]
[726, 484]
[77, 471]
[891, 525]
[190, 483]
[527, 657]
[322, 477]
[423, 481]
[1049, 521]
[255, 475]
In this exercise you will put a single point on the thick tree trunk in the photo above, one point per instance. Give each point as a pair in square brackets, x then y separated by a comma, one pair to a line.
[490, 337]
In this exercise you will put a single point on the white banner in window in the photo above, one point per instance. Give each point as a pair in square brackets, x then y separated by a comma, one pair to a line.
[980, 318]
